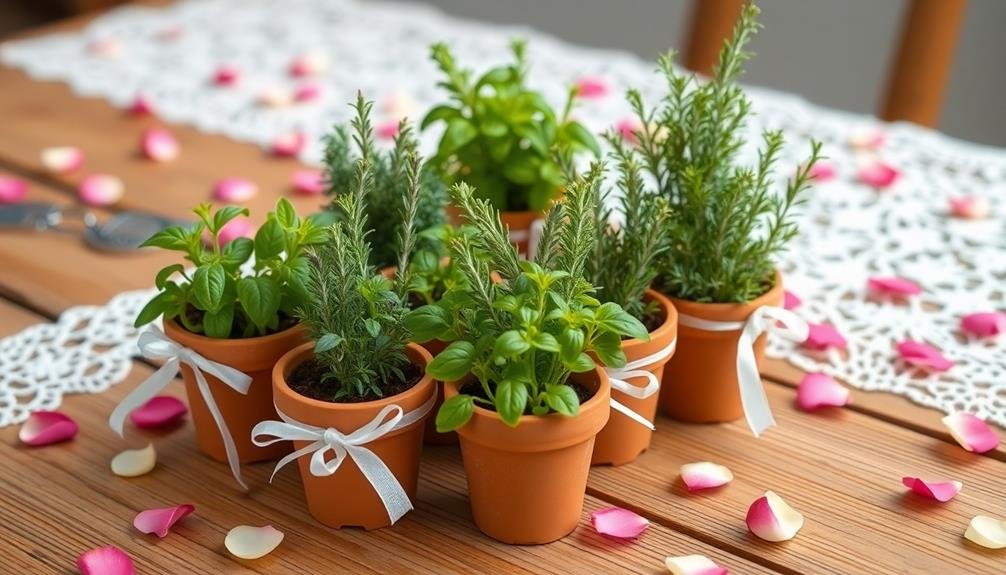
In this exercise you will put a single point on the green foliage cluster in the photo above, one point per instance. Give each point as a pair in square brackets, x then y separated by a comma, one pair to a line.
[218, 299]
[500, 136]
[727, 221]
[523, 336]
[345, 146]
[433, 273]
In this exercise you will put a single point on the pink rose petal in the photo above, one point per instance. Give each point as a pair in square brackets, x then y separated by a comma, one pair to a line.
[141, 106]
[972, 433]
[693, 565]
[628, 128]
[275, 97]
[823, 172]
[772, 519]
[878, 174]
[234, 190]
[984, 324]
[62, 159]
[108, 560]
[705, 475]
[399, 105]
[104, 48]
[868, 138]
[12, 190]
[591, 87]
[288, 145]
[309, 64]
[970, 207]
[46, 428]
[160, 411]
[618, 522]
[159, 521]
[307, 92]
[790, 300]
[818, 390]
[159, 145]
[309, 182]
[941, 491]
[923, 355]
[388, 129]
[821, 336]
[239, 227]
[226, 76]
[893, 286]
[100, 190]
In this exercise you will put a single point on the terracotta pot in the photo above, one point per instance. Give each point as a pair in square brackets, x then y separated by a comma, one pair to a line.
[255, 356]
[623, 439]
[346, 498]
[526, 483]
[520, 224]
[700, 382]
[432, 436]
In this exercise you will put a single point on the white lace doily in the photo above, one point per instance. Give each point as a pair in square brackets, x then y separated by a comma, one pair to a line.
[850, 231]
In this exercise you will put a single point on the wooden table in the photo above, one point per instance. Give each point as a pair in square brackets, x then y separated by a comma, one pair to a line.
[842, 469]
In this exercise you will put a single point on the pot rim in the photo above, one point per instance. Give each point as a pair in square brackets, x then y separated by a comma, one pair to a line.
[670, 320]
[731, 309]
[173, 327]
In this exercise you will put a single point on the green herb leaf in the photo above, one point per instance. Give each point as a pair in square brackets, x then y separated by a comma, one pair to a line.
[546, 342]
[286, 214]
[563, 399]
[608, 347]
[438, 113]
[218, 324]
[511, 400]
[226, 214]
[611, 317]
[372, 327]
[426, 323]
[455, 413]
[454, 362]
[208, 284]
[510, 343]
[155, 308]
[459, 132]
[580, 364]
[571, 344]
[270, 240]
[327, 342]
[237, 252]
[260, 299]
[581, 136]
[170, 238]
[166, 273]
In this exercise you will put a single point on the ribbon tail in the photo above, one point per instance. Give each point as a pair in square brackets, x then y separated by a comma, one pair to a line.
[142, 394]
[625, 410]
[396, 501]
[756, 407]
[225, 434]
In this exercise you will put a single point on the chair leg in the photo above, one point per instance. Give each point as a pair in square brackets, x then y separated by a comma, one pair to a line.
[712, 23]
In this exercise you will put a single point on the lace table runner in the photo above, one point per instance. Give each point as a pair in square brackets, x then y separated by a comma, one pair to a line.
[850, 231]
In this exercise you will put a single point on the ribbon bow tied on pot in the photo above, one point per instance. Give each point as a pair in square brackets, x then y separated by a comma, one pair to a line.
[619, 380]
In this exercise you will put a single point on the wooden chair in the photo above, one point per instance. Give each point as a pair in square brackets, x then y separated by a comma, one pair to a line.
[917, 81]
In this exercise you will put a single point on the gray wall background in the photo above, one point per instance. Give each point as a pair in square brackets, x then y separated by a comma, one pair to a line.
[833, 52]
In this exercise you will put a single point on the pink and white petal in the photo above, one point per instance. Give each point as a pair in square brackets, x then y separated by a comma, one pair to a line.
[705, 475]
[772, 519]
[12, 190]
[159, 521]
[239, 227]
[919, 354]
[823, 336]
[987, 532]
[159, 145]
[135, 462]
[867, 138]
[388, 129]
[790, 300]
[941, 491]
[817, 390]
[101, 190]
[288, 145]
[226, 75]
[628, 129]
[275, 97]
[693, 565]
[984, 324]
[62, 159]
[309, 64]
[592, 87]
[618, 522]
[307, 92]
[970, 207]
[46, 428]
[160, 411]
[823, 172]
[104, 48]
[248, 542]
[892, 285]
[141, 106]
[972, 433]
[878, 174]
[308, 182]
[108, 560]
[400, 105]
[234, 190]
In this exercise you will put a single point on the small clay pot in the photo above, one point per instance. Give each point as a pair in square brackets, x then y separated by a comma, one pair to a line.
[255, 357]
[519, 224]
[526, 483]
[623, 439]
[346, 498]
[700, 382]
[432, 436]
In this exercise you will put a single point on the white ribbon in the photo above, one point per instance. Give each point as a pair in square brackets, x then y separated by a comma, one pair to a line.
[324, 440]
[764, 319]
[619, 377]
[154, 344]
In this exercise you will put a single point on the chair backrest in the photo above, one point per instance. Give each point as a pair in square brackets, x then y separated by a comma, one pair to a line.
[917, 80]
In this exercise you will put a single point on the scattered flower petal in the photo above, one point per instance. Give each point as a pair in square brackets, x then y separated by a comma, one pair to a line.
[984, 324]
[247, 542]
[705, 475]
[159, 145]
[818, 390]
[628, 128]
[275, 97]
[160, 411]
[46, 428]
[104, 48]
[618, 522]
[823, 336]
[108, 560]
[309, 64]
[234, 190]
[878, 174]
[288, 145]
[141, 106]
[987, 532]
[159, 521]
[970, 207]
[388, 129]
[823, 172]
[941, 491]
[893, 286]
[399, 105]
[135, 462]
[923, 355]
[591, 87]
[239, 227]
[12, 190]
[772, 519]
[867, 138]
[309, 182]
[972, 433]
[307, 92]
[693, 565]
[100, 190]
[226, 76]
[790, 300]
[62, 159]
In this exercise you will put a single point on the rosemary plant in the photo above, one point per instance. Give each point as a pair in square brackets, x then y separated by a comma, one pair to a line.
[727, 221]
